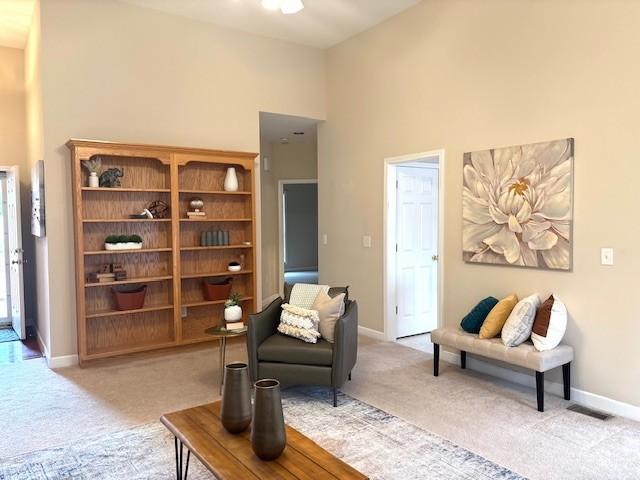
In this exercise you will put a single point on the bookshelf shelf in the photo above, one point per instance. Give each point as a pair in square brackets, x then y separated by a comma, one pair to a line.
[126, 220]
[129, 281]
[119, 252]
[113, 313]
[120, 189]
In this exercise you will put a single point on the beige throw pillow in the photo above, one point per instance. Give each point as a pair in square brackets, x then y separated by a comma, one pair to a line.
[329, 311]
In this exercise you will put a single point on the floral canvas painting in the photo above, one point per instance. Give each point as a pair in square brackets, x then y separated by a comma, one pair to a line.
[518, 205]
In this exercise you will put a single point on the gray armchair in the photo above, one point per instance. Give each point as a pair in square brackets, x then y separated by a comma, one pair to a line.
[294, 362]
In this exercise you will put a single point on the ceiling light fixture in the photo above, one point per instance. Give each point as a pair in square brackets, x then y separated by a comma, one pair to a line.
[288, 7]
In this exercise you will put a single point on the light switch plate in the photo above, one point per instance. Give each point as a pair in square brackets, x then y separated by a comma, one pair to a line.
[606, 256]
[325, 239]
[183, 312]
[366, 241]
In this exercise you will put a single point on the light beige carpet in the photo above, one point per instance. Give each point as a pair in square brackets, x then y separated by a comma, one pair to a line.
[495, 419]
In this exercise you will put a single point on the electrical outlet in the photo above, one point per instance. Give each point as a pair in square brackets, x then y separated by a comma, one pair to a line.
[183, 312]
[325, 239]
[606, 256]
[366, 241]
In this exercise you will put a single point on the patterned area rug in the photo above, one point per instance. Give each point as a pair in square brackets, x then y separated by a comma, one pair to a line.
[378, 444]
[8, 335]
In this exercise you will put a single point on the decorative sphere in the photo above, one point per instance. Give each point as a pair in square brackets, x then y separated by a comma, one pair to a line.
[196, 203]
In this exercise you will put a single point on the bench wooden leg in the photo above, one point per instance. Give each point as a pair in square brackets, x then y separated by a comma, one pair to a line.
[540, 390]
[463, 360]
[436, 359]
[566, 379]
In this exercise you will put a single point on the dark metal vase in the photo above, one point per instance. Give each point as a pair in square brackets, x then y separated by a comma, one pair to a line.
[268, 435]
[235, 412]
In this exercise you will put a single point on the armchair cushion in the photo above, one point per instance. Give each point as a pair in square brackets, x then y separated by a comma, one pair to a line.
[282, 349]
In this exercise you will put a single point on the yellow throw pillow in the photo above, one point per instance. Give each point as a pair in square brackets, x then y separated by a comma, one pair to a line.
[497, 317]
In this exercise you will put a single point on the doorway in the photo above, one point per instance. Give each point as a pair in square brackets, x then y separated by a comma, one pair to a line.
[413, 217]
[12, 318]
[298, 220]
[288, 168]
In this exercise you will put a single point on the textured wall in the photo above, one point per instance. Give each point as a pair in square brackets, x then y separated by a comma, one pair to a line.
[112, 71]
[465, 75]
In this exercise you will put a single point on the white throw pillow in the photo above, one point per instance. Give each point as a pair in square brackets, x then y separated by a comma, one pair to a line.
[304, 294]
[517, 328]
[329, 311]
[555, 324]
[299, 323]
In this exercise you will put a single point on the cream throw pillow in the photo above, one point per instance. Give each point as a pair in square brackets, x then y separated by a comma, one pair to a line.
[329, 311]
[517, 328]
[299, 323]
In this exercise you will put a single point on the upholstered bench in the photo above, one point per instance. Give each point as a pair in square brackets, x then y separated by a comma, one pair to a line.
[524, 355]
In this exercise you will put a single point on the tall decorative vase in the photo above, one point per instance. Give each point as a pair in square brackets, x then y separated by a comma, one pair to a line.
[235, 412]
[94, 181]
[231, 180]
[268, 435]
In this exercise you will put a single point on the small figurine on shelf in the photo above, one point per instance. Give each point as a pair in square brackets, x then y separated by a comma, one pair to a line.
[233, 312]
[93, 166]
[119, 272]
[142, 215]
[158, 209]
[111, 178]
[196, 204]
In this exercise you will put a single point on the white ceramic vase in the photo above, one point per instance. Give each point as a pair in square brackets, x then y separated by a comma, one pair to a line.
[94, 181]
[231, 180]
[233, 314]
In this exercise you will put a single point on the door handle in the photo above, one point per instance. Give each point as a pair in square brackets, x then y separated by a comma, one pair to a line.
[18, 262]
[434, 258]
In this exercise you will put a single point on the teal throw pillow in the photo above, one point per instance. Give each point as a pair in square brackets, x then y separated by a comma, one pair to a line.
[474, 319]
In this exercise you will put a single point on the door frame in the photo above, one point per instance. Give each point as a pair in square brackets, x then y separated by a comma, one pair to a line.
[281, 184]
[7, 254]
[435, 157]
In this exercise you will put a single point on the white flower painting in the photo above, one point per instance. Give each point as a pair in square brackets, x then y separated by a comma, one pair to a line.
[517, 205]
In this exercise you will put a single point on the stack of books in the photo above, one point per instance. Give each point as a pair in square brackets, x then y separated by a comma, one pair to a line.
[235, 326]
[196, 214]
[102, 277]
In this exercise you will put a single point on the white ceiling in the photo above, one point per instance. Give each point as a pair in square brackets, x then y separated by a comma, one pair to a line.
[274, 127]
[322, 23]
[15, 20]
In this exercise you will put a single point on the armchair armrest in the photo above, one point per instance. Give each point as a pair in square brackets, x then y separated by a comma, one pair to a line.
[261, 326]
[345, 348]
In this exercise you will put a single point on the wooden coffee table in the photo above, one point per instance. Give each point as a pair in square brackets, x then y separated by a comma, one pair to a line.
[229, 456]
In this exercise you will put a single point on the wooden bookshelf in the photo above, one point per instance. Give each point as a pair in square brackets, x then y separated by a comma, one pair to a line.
[172, 263]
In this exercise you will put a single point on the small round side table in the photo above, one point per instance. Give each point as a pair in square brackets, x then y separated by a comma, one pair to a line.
[221, 333]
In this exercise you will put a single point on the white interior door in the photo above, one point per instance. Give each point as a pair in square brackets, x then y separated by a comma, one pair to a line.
[417, 256]
[15, 251]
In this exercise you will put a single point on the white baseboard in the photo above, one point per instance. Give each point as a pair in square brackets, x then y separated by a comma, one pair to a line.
[62, 361]
[43, 347]
[55, 362]
[587, 399]
[368, 332]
